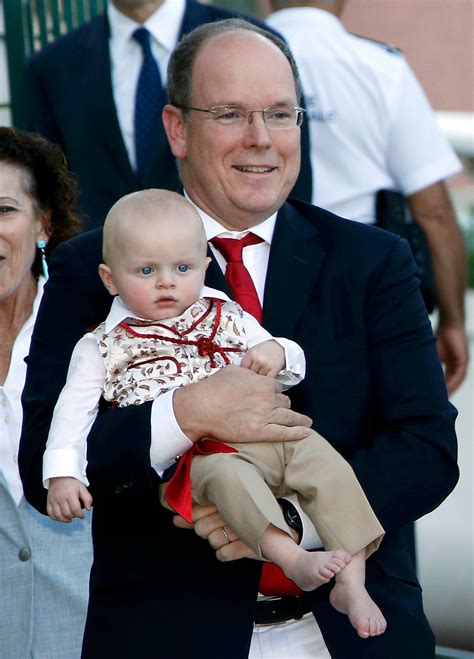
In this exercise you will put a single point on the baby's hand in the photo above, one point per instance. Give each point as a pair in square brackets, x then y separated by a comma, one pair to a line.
[66, 498]
[267, 358]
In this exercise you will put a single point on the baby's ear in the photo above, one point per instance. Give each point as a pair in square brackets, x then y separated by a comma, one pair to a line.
[106, 275]
[208, 260]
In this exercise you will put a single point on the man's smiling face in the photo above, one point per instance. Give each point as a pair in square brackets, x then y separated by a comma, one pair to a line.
[239, 175]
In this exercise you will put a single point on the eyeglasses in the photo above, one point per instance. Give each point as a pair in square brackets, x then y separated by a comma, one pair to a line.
[280, 117]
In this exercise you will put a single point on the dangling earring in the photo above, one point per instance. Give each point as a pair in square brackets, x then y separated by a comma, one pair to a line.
[41, 245]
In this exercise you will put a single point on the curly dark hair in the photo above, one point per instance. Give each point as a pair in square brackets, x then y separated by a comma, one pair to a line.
[51, 185]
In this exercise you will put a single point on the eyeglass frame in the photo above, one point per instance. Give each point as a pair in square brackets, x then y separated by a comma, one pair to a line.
[299, 113]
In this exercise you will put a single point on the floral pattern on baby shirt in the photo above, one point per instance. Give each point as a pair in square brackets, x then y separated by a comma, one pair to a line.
[144, 359]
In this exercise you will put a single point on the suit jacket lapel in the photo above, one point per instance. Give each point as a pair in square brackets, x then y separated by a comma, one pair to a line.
[293, 267]
[295, 261]
[95, 70]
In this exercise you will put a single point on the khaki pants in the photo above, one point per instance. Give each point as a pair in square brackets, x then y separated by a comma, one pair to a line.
[244, 487]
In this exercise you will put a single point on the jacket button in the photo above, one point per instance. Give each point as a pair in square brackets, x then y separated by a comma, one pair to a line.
[24, 554]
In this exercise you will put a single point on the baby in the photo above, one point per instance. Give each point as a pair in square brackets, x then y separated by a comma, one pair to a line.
[166, 329]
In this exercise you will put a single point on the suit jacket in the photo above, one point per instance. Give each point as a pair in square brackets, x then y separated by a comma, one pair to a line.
[374, 388]
[71, 103]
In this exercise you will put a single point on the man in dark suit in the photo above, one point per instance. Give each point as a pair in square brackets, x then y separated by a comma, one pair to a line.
[374, 386]
[82, 92]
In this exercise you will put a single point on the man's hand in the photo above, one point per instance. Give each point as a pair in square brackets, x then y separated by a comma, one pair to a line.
[453, 353]
[267, 358]
[66, 498]
[237, 405]
[210, 526]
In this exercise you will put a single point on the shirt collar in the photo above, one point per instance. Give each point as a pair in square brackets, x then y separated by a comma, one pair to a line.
[119, 311]
[16, 371]
[264, 230]
[164, 24]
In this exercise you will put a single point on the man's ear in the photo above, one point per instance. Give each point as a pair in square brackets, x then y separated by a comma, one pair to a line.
[106, 275]
[176, 129]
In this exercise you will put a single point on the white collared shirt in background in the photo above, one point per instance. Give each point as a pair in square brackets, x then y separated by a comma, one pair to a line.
[371, 126]
[126, 58]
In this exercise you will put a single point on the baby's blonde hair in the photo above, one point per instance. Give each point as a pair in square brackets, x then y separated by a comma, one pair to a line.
[152, 207]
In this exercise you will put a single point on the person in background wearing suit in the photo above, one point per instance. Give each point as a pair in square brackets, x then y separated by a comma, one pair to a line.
[98, 92]
[374, 388]
[372, 130]
[44, 568]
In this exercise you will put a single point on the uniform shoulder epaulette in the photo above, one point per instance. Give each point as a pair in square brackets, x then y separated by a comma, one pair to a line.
[389, 48]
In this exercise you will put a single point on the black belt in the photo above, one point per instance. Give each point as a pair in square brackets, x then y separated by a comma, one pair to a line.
[280, 609]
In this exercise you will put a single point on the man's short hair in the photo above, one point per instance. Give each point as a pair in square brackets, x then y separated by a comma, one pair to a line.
[180, 67]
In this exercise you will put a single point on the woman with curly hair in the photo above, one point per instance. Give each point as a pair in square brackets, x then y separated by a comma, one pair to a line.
[44, 566]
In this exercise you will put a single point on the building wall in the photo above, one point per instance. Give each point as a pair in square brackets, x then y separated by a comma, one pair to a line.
[435, 35]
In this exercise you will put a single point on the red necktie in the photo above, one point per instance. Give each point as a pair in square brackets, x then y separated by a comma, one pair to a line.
[272, 580]
[237, 275]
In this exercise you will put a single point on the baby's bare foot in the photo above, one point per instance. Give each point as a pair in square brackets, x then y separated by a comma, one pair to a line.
[313, 569]
[364, 614]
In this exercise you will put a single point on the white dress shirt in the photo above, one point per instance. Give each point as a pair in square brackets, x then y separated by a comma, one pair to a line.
[65, 453]
[371, 125]
[11, 413]
[126, 57]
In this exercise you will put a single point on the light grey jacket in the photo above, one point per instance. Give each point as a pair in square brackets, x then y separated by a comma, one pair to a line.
[44, 579]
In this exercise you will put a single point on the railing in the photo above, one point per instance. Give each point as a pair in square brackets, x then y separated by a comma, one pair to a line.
[29, 26]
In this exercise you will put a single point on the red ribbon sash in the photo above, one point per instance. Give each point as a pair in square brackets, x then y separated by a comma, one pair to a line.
[178, 490]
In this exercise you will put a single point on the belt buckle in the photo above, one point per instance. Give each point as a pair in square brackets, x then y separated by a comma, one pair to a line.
[267, 600]
[296, 609]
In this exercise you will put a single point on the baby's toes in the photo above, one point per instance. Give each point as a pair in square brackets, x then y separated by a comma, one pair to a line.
[342, 556]
[334, 568]
[364, 627]
[381, 626]
[337, 562]
[326, 573]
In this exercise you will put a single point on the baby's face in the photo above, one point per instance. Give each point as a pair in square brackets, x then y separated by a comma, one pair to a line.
[159, 274]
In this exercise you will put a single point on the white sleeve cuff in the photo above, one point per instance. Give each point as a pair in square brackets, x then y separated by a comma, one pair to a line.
[310, 538]
[167, 439]
[63, 462]
[295, 363]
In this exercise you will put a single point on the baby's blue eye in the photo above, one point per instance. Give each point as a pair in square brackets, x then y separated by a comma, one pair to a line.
[146, 270]
[183, 267]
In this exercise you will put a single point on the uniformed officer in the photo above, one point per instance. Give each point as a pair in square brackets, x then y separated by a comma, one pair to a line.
[372, 129]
